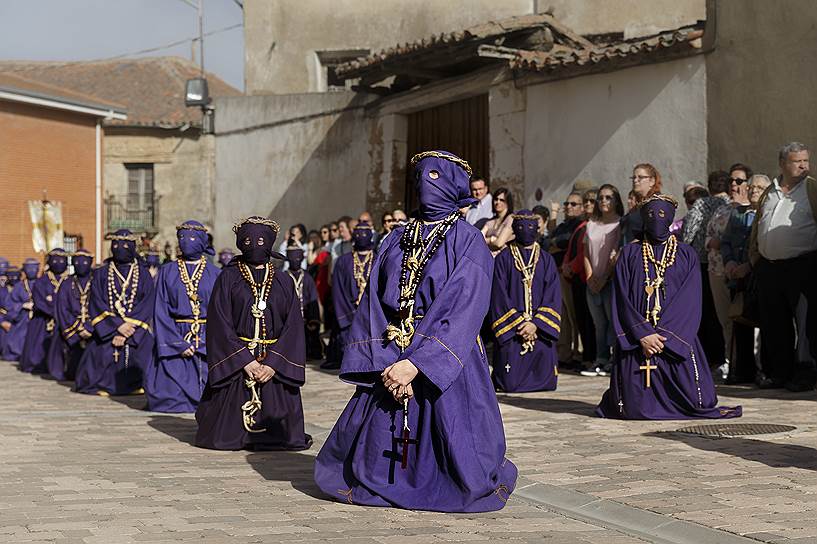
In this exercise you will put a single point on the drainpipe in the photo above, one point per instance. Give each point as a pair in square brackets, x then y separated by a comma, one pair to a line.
[98, 188]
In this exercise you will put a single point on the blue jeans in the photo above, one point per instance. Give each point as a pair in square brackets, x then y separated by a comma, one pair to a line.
[601, 310]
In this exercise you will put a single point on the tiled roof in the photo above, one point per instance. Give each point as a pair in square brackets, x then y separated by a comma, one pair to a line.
[682, 40]
[477, 34]
[537, 43]
[151, 89]
[19, 85]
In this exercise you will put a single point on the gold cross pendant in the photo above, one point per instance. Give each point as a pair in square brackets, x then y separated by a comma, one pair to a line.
[648, 368]
[116, 355]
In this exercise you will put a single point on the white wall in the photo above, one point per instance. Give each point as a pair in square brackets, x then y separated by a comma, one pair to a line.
[597, 127]
[293, 158]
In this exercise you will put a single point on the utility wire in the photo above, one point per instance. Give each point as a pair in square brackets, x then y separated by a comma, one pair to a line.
[169, 45]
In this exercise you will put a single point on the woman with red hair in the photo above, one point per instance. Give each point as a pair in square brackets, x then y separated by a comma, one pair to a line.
[646, 182]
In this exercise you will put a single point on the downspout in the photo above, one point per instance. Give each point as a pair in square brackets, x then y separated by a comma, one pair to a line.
[98, 188]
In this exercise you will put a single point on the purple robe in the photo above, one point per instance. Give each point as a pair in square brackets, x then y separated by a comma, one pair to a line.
[100, 368]
[681, 386]
[5, 294]
[457, 461]
[537, 369]
[42, 327]
[344, 295]
[173, 383]
[19, 318]
[68, 346]
[229, 319]
[310, 311]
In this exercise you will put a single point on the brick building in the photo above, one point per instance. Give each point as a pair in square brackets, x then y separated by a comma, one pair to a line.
[158, 165]
[50, 145]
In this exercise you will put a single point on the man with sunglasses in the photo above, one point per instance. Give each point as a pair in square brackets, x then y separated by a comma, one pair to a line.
[559, 240]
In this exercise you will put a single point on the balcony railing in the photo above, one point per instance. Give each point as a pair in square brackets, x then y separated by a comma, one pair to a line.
[137, 219]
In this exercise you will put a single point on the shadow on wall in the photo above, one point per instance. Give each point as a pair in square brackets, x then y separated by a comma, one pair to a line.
[597, 127]
[773, 454]
[333, 180]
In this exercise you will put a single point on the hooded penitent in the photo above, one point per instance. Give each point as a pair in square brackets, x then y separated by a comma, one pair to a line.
[83, 263]
[57, 261]
[254, 315]
[426, 299]
[31, 267]
[42, 327]
[72, 319]
[123, 246]
[363, 237]
[122, 291]
[442, 183]
[657, 213]
[255, 238]
[225, 256]
[525, 227]
[295, 257]
[657, 290]
[193, 240]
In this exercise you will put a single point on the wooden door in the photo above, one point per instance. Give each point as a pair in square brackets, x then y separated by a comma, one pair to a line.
[460, 127]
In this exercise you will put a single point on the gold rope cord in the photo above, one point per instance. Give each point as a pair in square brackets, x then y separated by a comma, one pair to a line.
[527, 270]
[251, 407]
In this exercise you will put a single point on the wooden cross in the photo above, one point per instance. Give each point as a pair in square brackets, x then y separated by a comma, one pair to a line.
[508, 367]
[115, 355]
[406, 441]
[647, 367]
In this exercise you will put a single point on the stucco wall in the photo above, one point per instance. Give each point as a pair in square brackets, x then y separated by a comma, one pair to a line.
[761, 81]
[294, 158]
[597, 127]
[281, 36]
[183, 173]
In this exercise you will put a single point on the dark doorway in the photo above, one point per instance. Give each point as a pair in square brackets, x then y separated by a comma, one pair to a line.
[460, 127]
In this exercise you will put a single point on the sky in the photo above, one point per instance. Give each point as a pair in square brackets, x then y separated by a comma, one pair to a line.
[99, 29]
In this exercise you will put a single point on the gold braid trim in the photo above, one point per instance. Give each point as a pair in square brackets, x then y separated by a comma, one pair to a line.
[499, 321]
[532, 217]
[82, 253]
[257, 220]
[549, 322]
[186, 226]
[510, 325]
[122, 237]
[659, 196]
[550, 311]
[452, 158]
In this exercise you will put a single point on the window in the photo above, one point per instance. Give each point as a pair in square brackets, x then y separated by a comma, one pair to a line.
[71, 242]
[328, 60]
[140, 187]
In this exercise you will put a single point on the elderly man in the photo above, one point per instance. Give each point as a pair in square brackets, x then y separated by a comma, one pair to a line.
[482, 211]
[783, 251]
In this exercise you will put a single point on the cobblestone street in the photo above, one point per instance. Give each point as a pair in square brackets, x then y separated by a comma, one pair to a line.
[87, 469]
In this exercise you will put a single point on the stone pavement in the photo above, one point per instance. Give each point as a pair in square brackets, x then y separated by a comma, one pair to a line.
[83, 469]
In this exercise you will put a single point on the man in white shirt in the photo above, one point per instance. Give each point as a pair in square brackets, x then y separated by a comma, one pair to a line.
[783, 248]
[483, 210]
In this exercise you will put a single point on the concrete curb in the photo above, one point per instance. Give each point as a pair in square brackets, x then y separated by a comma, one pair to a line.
[629, 520]
[656, 528]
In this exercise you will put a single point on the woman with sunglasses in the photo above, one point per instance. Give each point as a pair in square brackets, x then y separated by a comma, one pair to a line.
[499, 231]
[739, 175]
[602, 239]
